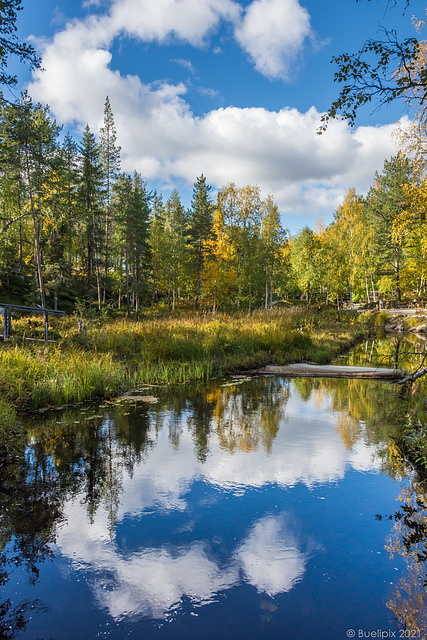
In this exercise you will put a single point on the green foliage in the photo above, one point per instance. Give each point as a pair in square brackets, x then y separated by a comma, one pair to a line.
[7, 416]
[380, 81]
[305, 261]
[10, 45]
[413, 441]
[200, 223]
[380, 319]
[92, 235]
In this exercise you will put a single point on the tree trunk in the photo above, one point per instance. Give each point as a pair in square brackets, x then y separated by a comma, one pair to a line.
[137, 292]
[98, 279]
[169, 288]
[396, 354]
[266, 285]
[397, 272]
[36, 237]
[374, 297]
[127, 272]
[106, 242]
[271, 290]
[89, 274]
[21, 259]
[196, 299]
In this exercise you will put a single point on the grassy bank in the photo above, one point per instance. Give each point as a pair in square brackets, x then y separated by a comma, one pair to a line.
[117, 354]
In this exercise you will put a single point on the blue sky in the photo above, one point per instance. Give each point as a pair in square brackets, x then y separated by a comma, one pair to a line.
[232, 89]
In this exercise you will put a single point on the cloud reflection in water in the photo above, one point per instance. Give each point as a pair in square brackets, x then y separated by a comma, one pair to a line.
[270, 555]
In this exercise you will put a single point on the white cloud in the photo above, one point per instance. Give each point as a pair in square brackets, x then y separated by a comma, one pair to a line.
[165, 20]
[186, 64]
[273, 33]
[188, 20]
[162, 138]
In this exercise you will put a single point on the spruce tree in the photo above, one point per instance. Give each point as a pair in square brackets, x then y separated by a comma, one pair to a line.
[90, 197]
[159, 247]
[69, 155]
[199, 230]
[175, 229]
[140, 238]
[110, 161]
[131, 210]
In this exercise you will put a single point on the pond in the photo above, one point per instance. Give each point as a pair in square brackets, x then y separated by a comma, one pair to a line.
[243, 508]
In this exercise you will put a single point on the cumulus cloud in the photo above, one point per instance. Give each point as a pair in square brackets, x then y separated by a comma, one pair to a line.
[161, 137]
[165, 19]
[273, 33]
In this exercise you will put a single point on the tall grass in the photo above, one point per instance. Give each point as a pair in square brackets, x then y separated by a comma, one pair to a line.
[50, 376]
[117, 354]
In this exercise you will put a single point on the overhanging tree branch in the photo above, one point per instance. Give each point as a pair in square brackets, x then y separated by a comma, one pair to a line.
[10, 45]
[398, 71]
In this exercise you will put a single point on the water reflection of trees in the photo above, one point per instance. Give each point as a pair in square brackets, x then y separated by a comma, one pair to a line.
[87, 452]
[374, 409]
[409, 539]
[66, 455]
[247, 416]
[399, 352]
[378, 411]
[29, 506]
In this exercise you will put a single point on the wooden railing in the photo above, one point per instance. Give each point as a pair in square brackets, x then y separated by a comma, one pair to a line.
[7, 310]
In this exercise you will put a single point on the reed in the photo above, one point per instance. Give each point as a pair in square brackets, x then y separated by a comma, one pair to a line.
[49, 376]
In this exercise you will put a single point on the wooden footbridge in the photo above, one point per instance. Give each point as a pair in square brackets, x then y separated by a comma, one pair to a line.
[7, 311]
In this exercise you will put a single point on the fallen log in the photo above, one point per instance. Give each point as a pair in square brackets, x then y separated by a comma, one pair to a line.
[421, 328]
[303, 369]
[413, 376]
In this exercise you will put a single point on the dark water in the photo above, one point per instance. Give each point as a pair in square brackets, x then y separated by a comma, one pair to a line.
[239, 509]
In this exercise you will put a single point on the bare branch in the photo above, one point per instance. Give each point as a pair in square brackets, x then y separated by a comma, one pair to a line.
[6, 226]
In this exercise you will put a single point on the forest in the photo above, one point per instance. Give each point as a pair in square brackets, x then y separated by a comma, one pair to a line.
[77, 232]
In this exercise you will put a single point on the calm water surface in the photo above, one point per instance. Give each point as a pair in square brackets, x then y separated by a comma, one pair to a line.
[239, 509]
